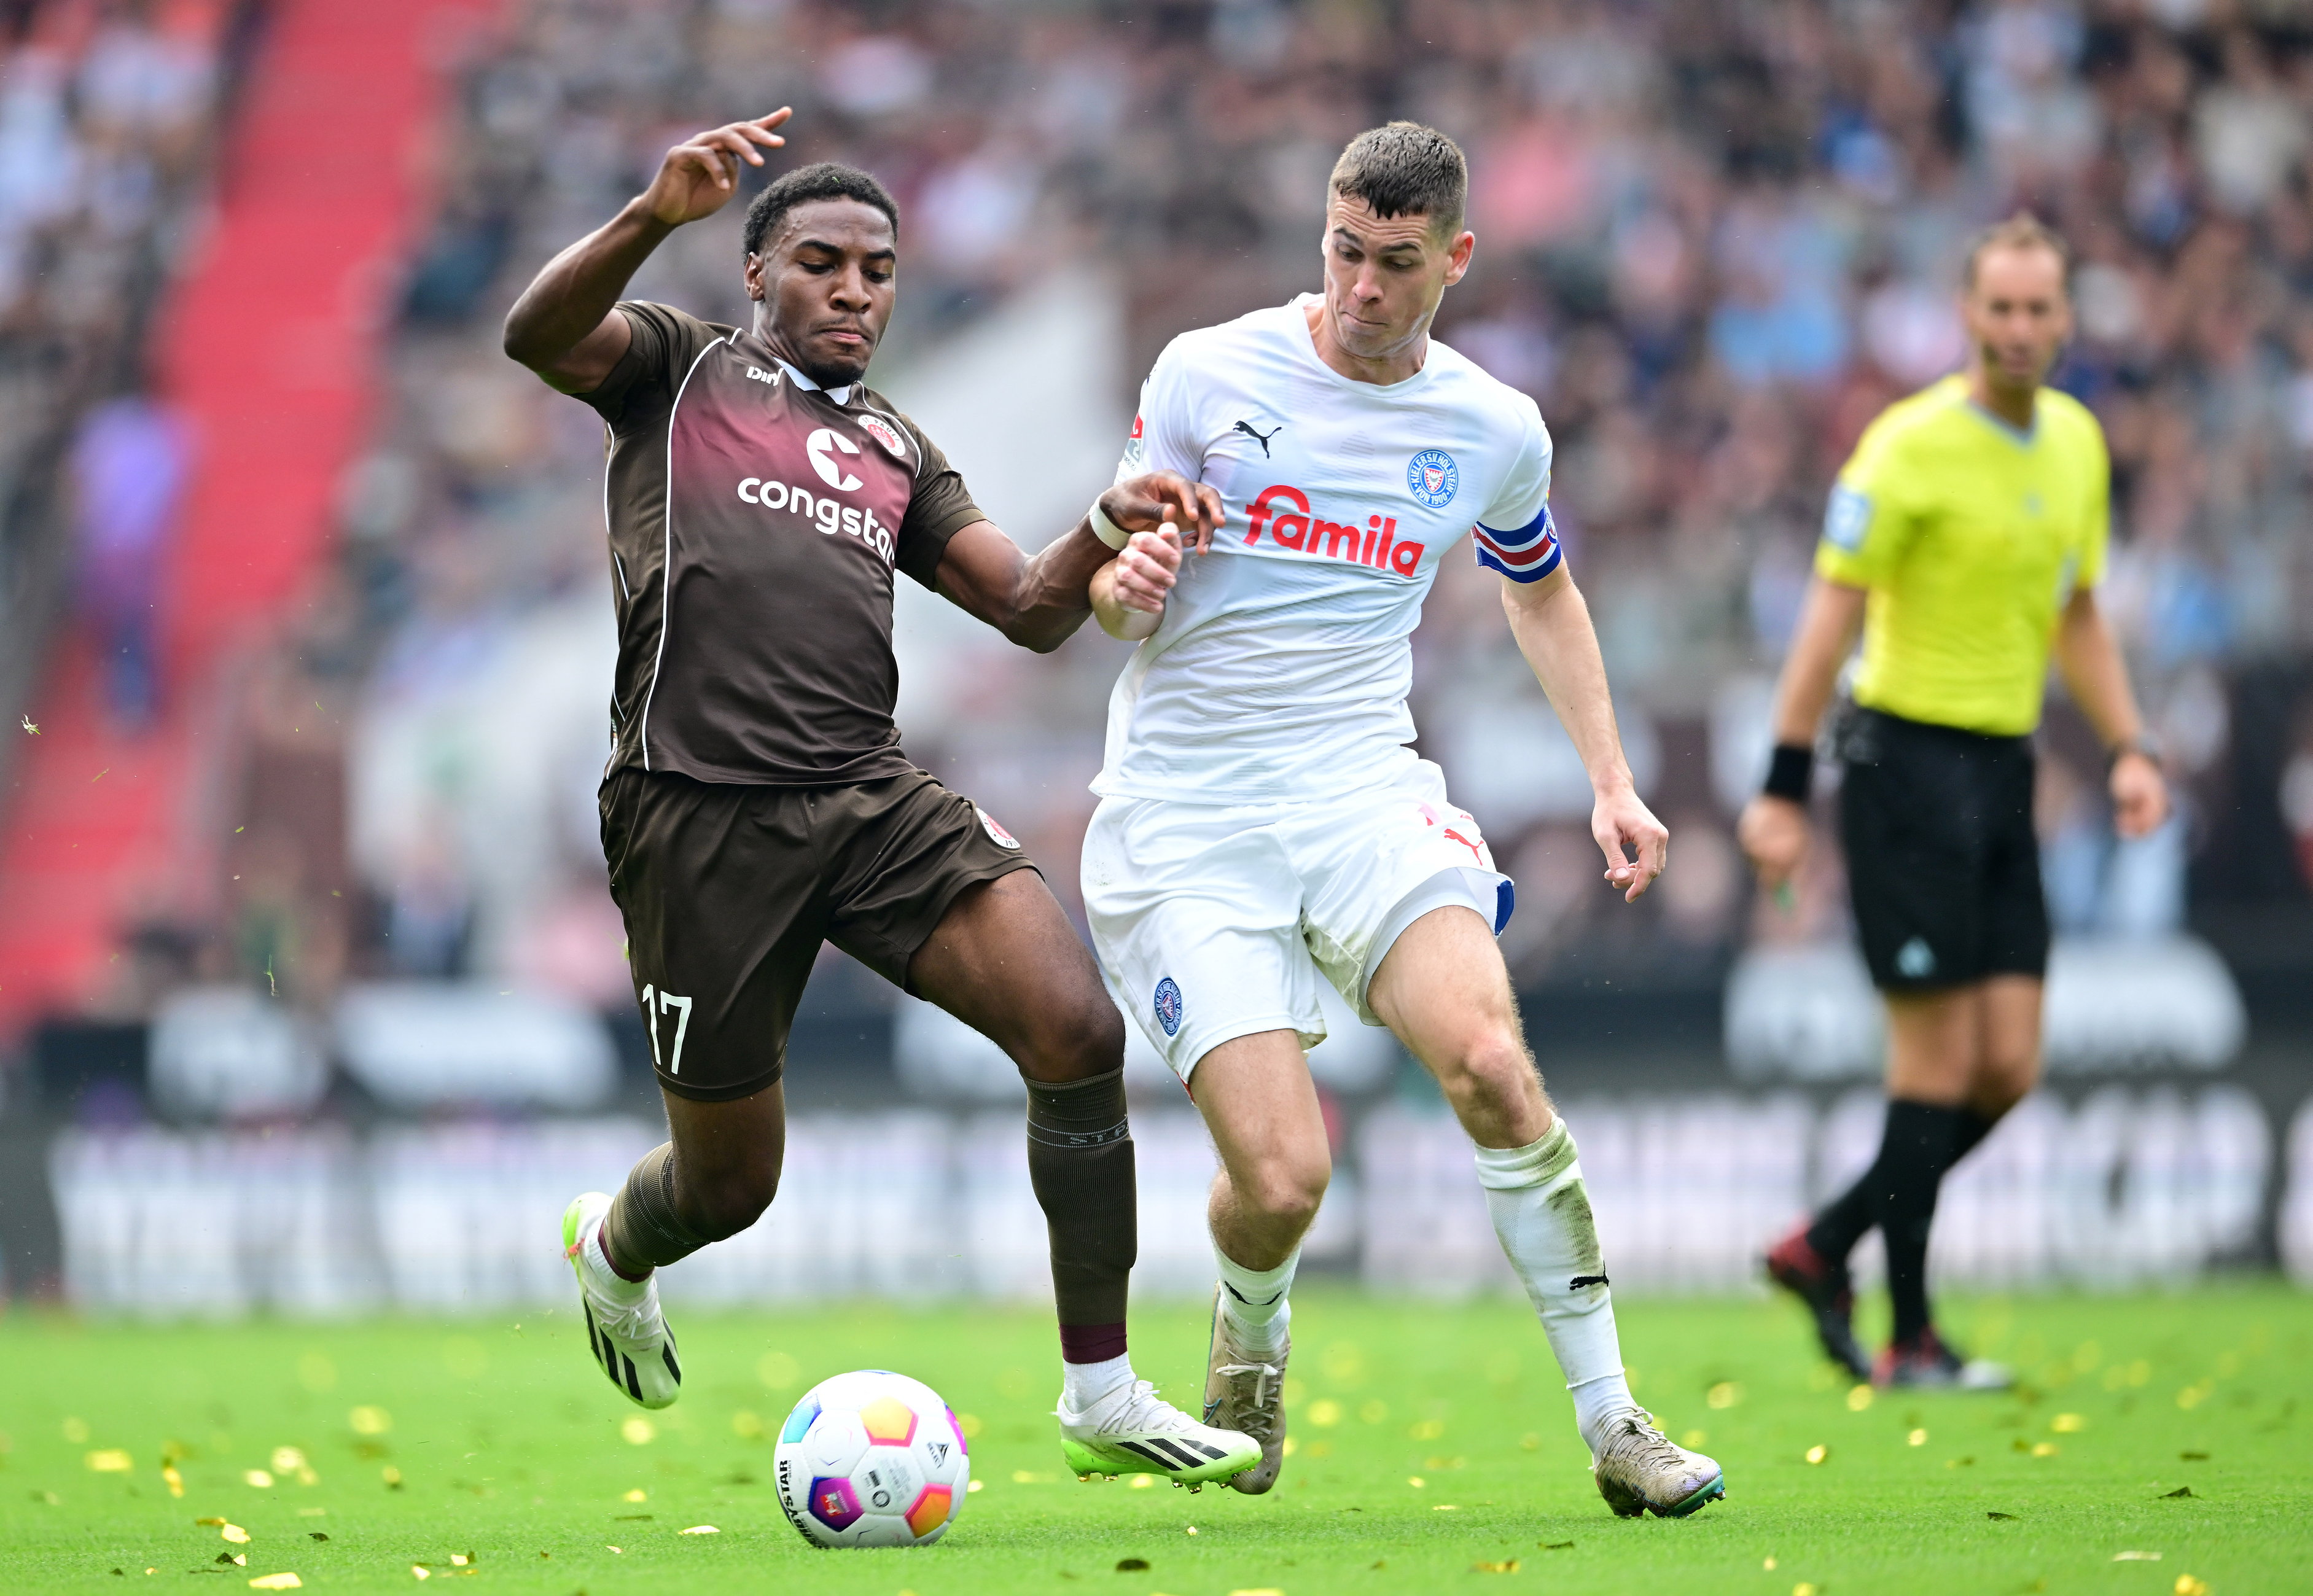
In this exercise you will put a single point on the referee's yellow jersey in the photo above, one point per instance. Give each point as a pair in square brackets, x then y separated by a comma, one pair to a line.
[1971, 537]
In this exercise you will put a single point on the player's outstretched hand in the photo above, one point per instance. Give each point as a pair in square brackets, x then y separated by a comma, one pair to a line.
[1142, 504]
[1149, 566]
[1637, 846]
[701, 173]
[1773, 836]
[2140, 795]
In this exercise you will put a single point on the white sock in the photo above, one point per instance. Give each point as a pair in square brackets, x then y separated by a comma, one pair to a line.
[1599, 1403]
[1253, 1304]
[606, 1281]
[1085, 1384]
[1542, 1214]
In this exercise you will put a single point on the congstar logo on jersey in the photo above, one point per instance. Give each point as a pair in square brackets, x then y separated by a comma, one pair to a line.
[1283, 511]
[822, 511]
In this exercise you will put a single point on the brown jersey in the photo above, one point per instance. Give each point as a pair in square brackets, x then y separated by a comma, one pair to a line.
[755, 520]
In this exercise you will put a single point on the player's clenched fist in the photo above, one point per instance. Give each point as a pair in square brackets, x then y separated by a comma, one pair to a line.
[1149, 566]
[699, 174]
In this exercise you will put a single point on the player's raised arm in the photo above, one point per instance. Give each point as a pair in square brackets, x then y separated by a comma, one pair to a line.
[562, 327]
[1039, 601]
[1552, 627]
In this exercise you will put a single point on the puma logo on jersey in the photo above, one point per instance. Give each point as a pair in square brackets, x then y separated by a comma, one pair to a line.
[1283, 512]
[1261, 438]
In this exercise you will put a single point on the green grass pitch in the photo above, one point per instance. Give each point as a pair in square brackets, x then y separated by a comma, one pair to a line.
[2162, 1444]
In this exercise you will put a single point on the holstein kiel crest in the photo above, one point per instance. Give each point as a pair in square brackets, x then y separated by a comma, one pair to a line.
[1168, 1006]
[1432, 477]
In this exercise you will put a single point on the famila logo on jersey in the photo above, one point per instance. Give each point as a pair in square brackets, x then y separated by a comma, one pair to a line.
[1282, 511]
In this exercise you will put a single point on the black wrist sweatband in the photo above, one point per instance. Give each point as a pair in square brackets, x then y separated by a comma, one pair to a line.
[1791, 773]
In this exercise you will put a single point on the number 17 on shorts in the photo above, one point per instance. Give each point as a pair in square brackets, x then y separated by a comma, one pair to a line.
[657, 1007]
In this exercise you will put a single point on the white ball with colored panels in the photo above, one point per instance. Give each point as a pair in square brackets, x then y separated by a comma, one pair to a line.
[872, 1459]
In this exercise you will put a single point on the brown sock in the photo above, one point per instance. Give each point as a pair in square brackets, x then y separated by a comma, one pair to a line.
[642, 1230]
[1080, 1162]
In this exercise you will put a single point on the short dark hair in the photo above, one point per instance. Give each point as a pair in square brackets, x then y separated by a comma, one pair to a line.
[822, 179]
[1403, 168]
[2022, 230]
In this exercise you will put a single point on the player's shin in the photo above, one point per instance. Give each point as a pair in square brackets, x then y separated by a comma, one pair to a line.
[642, 1230]
[1542, 1214]
[1080, 1164]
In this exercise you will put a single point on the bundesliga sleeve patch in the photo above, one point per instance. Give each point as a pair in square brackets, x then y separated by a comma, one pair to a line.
[996, 832]
[1846, 519]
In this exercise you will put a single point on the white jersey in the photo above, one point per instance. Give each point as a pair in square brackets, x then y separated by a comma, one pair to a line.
[1282, 664]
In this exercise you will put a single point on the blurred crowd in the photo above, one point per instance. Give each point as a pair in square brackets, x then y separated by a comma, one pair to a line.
[1715, 240]
[106, 112]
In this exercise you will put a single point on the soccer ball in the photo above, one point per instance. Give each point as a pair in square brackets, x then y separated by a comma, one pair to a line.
[872, 1459]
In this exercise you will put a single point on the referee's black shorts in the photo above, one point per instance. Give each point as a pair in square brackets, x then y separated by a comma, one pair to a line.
[1942, 862]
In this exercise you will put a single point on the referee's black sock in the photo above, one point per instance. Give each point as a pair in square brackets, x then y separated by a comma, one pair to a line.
[1844, 1220]
[1080, 1164]
[1922, 1141]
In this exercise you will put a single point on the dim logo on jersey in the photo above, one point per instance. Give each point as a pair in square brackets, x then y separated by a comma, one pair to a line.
[881, 431]
[1846, 519]
[1433, 478]
[1168, 1006]
[1136, 445]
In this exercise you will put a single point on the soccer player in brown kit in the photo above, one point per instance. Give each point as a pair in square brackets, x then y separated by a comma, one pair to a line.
[760, 499]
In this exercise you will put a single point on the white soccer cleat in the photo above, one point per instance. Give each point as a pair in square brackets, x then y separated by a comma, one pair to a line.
[625, 1332]
[1134, 1431]
[1247, 1394]
[1639, 1470]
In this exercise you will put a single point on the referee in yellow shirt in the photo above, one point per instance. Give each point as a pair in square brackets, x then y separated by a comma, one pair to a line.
[1965, 538]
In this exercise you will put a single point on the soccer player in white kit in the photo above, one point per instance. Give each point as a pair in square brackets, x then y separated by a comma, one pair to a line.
[1263, 824]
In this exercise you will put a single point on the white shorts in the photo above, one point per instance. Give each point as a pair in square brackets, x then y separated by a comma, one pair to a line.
[1216, 921]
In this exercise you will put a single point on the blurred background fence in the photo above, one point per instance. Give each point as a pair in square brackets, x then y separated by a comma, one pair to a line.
[305, 948]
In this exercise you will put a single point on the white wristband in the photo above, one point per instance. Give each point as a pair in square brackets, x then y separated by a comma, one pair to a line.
[1105, 530]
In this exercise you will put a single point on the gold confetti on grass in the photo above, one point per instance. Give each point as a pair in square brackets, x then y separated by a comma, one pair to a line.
[110, 1460]
[638, 1431]
[1724, 1394]
[1916, 1438]
[393, 1477]
[1817, 1452]
[2136, 1556]
[235, 1534]
[2186, 1585]
[419, 1570]
[637, 1495]
[1507, 1566]
[699, 1529]
[2043, 1449]
[287, 1460]
[2068, 1424]
[1859, 1397]
[367, 1420]
[277, 1582]
[173, 1479]
[981, 1485]
[259, 1478]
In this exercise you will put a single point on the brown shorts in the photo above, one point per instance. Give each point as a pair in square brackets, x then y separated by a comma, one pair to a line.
[729, 890]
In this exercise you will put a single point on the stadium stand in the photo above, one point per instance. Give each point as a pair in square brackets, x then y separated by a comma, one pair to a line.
[1715, 240]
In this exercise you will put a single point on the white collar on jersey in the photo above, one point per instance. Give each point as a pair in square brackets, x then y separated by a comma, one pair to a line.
[842, 396]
